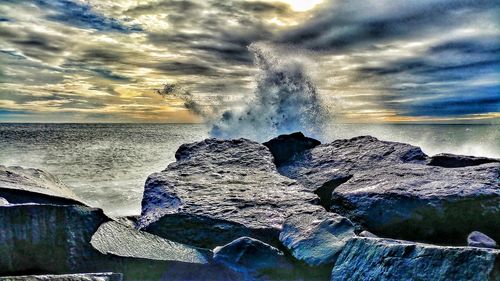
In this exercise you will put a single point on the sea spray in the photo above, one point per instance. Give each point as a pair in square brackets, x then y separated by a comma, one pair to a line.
[285, 99]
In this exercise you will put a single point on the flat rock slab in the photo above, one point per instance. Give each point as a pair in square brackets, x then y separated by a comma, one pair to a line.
[23, 185]
[424, 203]
[47, 238]
[326, 166]
[120, 240]
[457, 161]
[316, 239]
[67, 277]
[220, 190]
[393, 260]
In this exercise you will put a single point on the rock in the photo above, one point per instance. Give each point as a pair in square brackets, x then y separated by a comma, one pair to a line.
[39, 238]
[392, 260]
[423, 203]
[20, 185]
[67, 277]
[366, 233]
[120, 240]
[3, 201]
[316, 239]
[220, 190]
[254, 258]
[326, 166]
[284, 147]
[455, 161]
[481, 240]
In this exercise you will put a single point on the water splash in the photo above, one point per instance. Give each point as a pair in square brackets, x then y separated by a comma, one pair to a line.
[285, 100]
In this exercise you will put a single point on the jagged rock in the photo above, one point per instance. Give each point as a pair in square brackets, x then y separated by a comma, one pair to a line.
[3, 201]
[120, 240]
[220, 190]
[39, 238]
[456, 161]
[478, 239]
[366, 233]
[316, 239]
[285, 147]
[254, 259]
[67, 277]
[423, 203]
[326, 166]
[392, 260]
[20, 185]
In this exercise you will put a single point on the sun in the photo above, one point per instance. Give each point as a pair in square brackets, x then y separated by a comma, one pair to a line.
[302, 5]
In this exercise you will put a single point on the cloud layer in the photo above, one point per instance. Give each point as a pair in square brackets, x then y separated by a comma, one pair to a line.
[376, 61]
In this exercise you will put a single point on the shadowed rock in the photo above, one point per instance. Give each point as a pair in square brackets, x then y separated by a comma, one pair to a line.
[67, 277]
[254, 259]
[392, 260]
[285, 147]
[220, 190]
[423, 203]
[326, 166]
[316, 239]
[456, 161]
[20, 185]
[481, 240]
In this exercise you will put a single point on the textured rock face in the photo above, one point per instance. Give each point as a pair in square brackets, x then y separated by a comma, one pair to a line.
[326, 166]
[285, 147]
[20, 185]
[220, 190]
[47, 238]
[456, 161]
[392, 260]
[424, 203]
[67, 277]
[316, 239]
[253, 258]
[478, 239]
[117, 239]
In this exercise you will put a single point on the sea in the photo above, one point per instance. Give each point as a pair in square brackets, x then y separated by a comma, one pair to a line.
[107, 164]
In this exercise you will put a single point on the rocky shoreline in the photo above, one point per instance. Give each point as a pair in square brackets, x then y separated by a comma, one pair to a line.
[288, 209]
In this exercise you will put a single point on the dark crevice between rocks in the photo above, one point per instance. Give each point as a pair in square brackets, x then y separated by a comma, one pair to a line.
[325, 191]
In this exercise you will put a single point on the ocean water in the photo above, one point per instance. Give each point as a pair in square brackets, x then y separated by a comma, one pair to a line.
[107, 164]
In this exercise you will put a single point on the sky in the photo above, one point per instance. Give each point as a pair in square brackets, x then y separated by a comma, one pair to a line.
[371, 60]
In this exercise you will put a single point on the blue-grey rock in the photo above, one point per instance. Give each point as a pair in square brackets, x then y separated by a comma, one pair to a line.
[3, 201]
[370, 259]
[366, 233]
[255, 259]
[316, 239]
[423, 203]
[23, 185]
[456, 161]
[220, 190]
[326, 166]
[67, 277]
[285, 147]
[478, 239]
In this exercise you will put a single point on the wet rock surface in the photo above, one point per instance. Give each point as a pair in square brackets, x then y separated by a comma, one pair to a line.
[394, 260]
[423, 203]
[67, 277]
[316, 239]
[220, 190]
[23, 185]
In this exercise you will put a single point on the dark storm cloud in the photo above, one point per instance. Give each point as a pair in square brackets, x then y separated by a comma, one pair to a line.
[185, 68]
[83, 16]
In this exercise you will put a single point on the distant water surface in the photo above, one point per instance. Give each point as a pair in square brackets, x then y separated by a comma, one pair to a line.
[107, 164]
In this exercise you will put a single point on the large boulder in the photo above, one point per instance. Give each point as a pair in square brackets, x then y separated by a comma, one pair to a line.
[392, 260]
[316, 239]
[220, 190]
[67, 277]
[41, 238]
[456, 161]
[21, 185]
[423, 203]
[326, 166]
[285, 147]
[254, 259]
